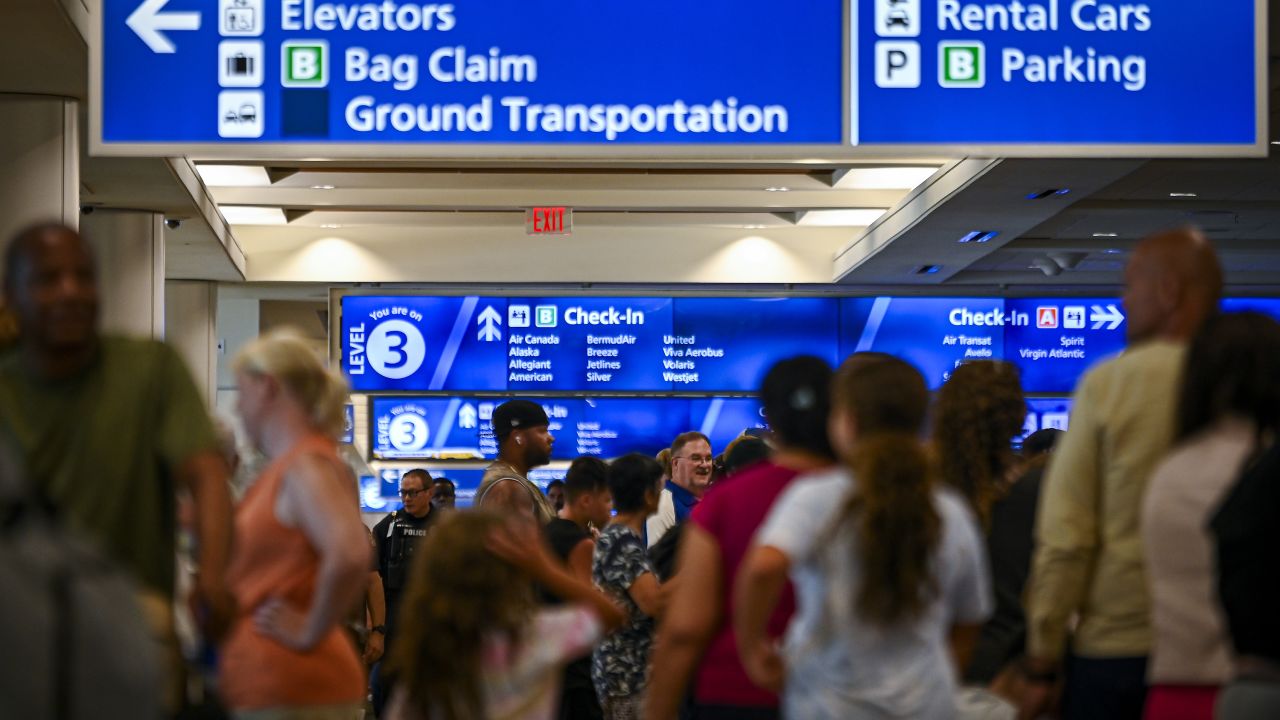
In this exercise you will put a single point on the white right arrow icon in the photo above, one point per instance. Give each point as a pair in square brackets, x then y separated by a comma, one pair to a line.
[1109, 316]
[147, 21]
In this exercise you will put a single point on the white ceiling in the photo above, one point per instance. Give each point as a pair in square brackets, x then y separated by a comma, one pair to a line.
[462, 223]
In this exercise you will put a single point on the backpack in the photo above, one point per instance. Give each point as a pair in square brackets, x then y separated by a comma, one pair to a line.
[77, 645]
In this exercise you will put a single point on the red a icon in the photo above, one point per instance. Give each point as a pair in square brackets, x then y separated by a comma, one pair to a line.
[1047, 318]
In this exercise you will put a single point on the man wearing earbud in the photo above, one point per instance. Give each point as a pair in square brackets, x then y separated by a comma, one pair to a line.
[524, 442]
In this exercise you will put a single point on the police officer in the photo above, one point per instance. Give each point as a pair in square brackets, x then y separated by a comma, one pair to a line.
[396, 537]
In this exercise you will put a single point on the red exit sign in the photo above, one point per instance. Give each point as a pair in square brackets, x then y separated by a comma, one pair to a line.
[549, 221]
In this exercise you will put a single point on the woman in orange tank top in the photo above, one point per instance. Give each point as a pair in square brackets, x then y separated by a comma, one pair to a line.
[300, 556]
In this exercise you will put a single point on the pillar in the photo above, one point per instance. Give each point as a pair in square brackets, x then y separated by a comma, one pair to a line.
[190, 326]
[39, 162]
[129, 246]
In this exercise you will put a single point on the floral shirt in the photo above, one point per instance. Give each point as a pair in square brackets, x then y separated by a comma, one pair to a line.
[619, 667]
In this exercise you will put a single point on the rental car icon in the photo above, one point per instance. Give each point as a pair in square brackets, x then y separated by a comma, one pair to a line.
[897, 17]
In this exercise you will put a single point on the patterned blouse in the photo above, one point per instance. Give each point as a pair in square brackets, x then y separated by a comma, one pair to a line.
[620, 665]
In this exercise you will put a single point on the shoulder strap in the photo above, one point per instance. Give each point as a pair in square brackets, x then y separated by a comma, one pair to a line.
[505, 478]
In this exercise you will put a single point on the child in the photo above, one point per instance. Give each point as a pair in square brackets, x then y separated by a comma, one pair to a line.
[473, 642]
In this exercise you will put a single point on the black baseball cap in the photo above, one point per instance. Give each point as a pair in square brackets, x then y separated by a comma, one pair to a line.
[518, 415]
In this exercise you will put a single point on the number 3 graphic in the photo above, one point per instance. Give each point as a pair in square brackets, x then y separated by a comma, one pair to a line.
[396, 349]
[402, 340]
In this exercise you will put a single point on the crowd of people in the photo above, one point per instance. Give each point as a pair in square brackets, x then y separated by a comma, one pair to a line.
[881, 552]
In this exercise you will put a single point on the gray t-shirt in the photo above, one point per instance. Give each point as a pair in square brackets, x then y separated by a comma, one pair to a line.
[841, 668]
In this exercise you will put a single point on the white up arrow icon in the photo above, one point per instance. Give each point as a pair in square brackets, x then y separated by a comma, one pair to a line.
[489, 321]
[147, 21]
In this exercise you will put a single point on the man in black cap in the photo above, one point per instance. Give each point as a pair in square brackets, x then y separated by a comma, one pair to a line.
[524, 442]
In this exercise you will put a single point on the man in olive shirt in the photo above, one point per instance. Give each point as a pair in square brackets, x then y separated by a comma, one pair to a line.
[524, 442]
[1088, 561]
[109, 429]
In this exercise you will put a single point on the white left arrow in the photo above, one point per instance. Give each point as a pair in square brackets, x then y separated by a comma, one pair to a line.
[147, 21]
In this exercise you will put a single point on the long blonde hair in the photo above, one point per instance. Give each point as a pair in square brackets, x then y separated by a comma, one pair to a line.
[284, 355]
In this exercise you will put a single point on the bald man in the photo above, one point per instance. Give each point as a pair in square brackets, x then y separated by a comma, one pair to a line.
[1088, 562]
[108, 430]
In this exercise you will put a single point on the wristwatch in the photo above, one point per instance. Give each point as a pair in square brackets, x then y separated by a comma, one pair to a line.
[379, 629]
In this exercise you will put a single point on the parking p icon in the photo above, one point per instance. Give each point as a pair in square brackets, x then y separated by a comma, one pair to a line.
[897, 64]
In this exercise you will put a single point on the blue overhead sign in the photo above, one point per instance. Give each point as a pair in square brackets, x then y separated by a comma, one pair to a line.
[1053, 341]
[1034, 77]
[577, 344]
[1059, 72]
[533, 345]
[471, 71]
[934, 334]
[460, 428]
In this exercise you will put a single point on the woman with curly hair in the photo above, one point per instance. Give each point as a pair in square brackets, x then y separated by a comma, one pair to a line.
[474, 643]
[977, 415]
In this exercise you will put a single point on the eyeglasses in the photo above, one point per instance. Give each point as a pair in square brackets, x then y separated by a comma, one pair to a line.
[410, 494]
[696, 459]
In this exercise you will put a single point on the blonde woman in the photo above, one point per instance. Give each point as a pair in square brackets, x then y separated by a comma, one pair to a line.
[301, 554]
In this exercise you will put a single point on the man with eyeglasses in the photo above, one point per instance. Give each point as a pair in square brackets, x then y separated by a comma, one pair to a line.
[691, 466]
[395, 538]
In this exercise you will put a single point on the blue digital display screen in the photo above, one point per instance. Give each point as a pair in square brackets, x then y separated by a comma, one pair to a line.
[383, 494]
[432, 428]
[722, 420]
[373, 497]
[473, 71]
[460, 428]
[934, 334]
[613, 427]
[708, 345]
[1046, 413]
[1057, 72]
[1266, 306]
[1053, 341]
[587, 343]
[423, 343]
[728, 344]
[348, 424]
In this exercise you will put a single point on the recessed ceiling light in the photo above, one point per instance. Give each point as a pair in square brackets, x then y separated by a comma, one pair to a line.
[1113, 251]
[1105, 235]
[321, 187]
[1275, 142]
[1050, 192]
[851, 217]
[978, 236]
[753, 227]
[330, 226]
[928, 269]
[777, 189]
[253, 215]
[884, 178]
[1183, 195]
[234, 175]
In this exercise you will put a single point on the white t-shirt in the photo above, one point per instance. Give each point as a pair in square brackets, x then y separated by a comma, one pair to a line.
[523, 682]
[841, 668]
[662, 521]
